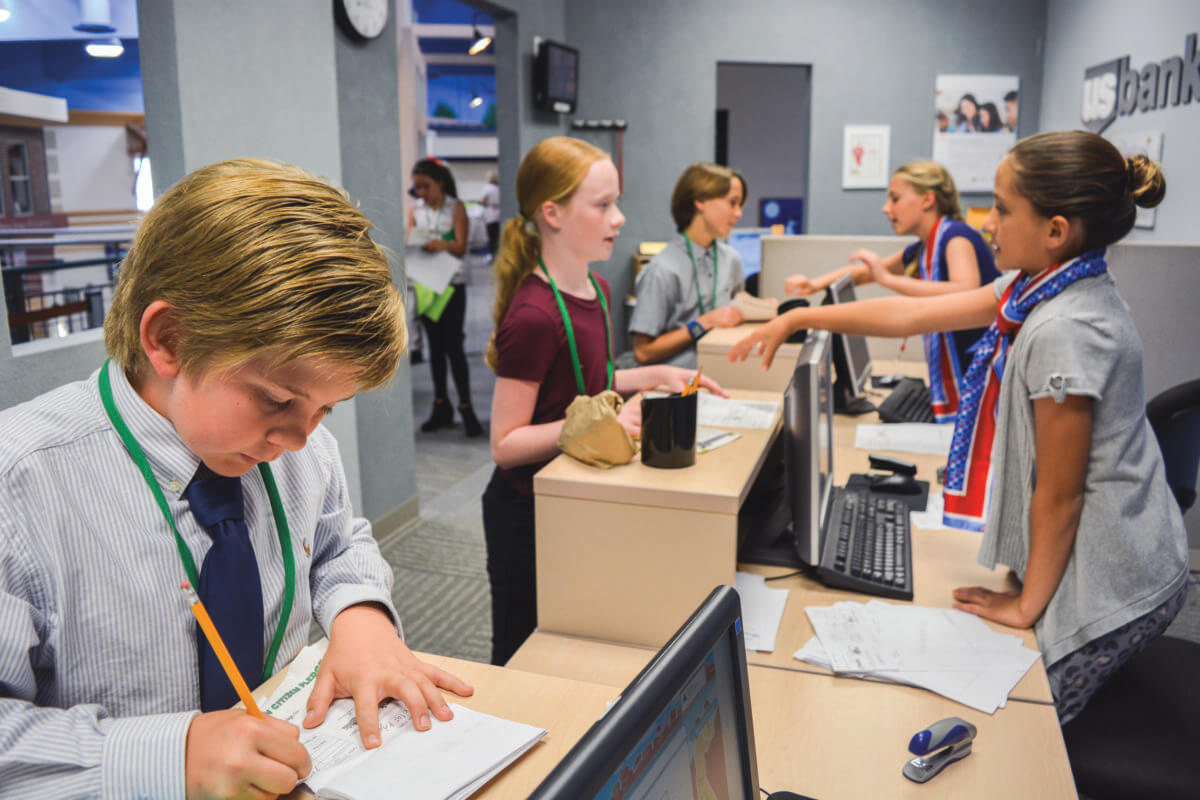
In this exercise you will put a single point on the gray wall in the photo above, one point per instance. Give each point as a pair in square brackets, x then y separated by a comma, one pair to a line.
[519, 126]
[273, 85]
[373, 173]
[654, 64]
[1083, 33]
[768, 108]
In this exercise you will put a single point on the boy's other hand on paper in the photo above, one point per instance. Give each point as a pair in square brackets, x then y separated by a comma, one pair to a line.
[368, 662]
[1002, 607]
[232, 754]
[765, 340]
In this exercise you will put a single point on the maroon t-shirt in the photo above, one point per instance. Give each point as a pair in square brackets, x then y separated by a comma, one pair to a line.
[531, 345]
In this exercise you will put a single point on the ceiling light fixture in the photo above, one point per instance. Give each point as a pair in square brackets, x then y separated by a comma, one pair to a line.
[4, 12]
[480, 41]
[104, 48]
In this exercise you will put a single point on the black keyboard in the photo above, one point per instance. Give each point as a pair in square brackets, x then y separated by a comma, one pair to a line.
[867, 546]
[908, 402]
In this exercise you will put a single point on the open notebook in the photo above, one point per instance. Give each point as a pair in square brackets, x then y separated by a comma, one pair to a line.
[450, 761]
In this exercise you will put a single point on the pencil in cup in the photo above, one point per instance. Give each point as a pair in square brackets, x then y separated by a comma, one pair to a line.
[218, 646]
[693, 385]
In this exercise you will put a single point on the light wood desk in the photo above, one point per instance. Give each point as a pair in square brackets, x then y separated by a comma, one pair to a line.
[832, 738]
[565, 708]
[712, 354]
[627, 554]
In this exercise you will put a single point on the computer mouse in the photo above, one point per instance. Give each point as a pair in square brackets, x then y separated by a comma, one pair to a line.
[895, 484]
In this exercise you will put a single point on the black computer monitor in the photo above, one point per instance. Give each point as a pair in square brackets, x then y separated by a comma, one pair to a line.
[784, 524]
[686, 716]
[851, 358]
[808, 445]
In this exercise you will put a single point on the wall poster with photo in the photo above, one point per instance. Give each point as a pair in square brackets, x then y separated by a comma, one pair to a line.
[866, 150]
[975, 124]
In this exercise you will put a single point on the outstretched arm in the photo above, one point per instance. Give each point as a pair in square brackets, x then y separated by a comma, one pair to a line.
[883, 316]
[858, 268]
[961, 264]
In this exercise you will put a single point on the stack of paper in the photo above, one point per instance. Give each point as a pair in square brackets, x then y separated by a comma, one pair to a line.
[905, 437]
[940, 649]
[450, 761]
[762, 610]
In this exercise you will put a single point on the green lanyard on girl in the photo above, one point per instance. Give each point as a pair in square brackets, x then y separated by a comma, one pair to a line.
[566, 317]
[696, 276]
[185, 555]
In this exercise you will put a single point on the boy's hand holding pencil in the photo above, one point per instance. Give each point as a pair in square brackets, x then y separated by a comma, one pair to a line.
[233, 753]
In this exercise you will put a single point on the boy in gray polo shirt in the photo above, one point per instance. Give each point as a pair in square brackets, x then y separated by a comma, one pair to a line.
[686, 289]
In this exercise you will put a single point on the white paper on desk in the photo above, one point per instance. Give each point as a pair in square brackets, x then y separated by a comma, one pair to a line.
[946, 651]
[431, 269]
[905, 437]
[983, 691]
[721, 412]
[762, 610]
[931, 518]
[451, 760]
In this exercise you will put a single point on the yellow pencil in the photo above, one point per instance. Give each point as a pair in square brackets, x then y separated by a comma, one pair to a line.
[693, 385]
[218, 646]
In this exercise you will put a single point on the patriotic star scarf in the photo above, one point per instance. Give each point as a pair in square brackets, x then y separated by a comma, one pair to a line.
[968, 482]
[941, 355]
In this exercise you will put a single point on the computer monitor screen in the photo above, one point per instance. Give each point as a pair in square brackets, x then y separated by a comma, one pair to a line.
[808, 444]
[748, 243]
[682, 729]
[556, 77]
[850, 355]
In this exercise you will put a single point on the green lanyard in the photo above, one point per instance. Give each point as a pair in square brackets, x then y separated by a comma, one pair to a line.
[562, 307]
[696, 276]
[185, 555]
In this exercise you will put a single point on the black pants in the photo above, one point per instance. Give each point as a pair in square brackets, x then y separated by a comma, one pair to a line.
[446, 343]
[493, 232]
[508, 531]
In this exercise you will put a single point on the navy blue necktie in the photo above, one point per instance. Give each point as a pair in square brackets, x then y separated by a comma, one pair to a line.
[229, 588]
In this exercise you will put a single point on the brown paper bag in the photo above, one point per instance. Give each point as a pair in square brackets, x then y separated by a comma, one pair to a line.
[593, 434]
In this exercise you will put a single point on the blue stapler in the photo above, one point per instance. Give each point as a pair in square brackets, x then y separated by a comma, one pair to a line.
[948, 740]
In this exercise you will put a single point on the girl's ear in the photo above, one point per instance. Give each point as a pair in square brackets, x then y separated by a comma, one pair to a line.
[928, 201]
[552, 215]
[1062, 232]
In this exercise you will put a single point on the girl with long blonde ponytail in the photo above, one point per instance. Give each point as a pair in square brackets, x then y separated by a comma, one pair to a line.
[567, 194]
[949, 256]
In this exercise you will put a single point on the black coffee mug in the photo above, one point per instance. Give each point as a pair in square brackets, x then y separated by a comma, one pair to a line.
[669, 431]
[799, 336]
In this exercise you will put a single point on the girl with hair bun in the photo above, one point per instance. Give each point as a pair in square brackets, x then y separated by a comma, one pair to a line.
[1051, 446]
[552, 342]
[949, 256]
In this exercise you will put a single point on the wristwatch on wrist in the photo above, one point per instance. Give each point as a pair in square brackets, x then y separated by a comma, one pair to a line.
[696, 330]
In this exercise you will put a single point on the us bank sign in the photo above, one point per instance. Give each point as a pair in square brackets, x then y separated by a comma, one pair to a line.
[1114, 88]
